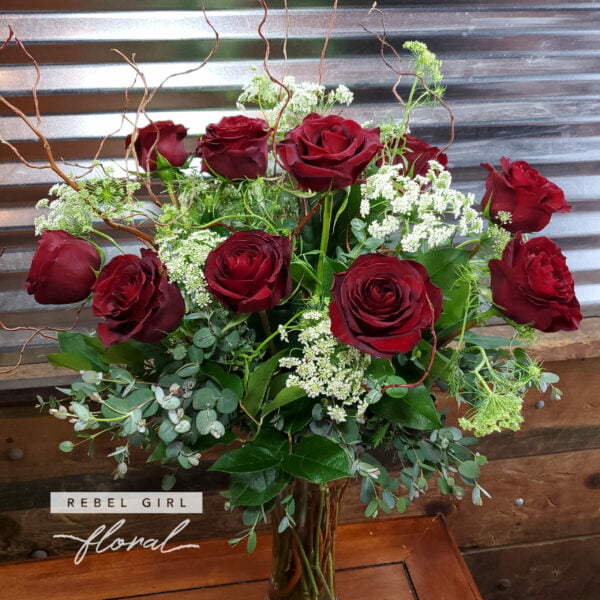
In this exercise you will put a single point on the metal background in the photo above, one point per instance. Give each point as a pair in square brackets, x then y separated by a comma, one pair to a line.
[523, 81]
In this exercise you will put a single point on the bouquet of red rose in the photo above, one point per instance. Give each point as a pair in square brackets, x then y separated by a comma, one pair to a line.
[303, 292]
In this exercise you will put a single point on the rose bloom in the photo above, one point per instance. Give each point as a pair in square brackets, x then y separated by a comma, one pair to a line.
[136, 300]
[170, 144]
[524, 194]
[328, 153]
[235, 147]
[416, 155]
[62, 269]
[382, 304]
[249, 271]
[532, 284]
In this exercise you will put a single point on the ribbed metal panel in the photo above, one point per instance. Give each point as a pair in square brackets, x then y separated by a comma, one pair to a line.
[523, 80]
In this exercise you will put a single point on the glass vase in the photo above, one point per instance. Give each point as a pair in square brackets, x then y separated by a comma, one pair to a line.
[305, 518]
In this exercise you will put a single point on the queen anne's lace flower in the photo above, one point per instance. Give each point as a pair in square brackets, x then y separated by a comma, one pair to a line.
[327, 369]
[419, 210]
[184, 256]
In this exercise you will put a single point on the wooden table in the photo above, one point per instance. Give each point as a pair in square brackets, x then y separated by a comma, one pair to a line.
[395, 559]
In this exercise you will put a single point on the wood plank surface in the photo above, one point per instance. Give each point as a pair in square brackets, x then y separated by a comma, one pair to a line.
[366, 554]
[560, 492]
[548, 570]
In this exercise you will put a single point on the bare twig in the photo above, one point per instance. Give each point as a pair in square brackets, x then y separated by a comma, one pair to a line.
[385, 44]
[36, 331]
[35, 128]
[276, 81]
[307, 217]
[326, 41]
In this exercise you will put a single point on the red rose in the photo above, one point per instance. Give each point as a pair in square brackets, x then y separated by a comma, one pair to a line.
[235, 147]
[170, 144]
[381, 304]
[524, 194]
[136, 300]
[328, 153]
[249, 271]
[416, 155]
[62, 269]
[532, 284]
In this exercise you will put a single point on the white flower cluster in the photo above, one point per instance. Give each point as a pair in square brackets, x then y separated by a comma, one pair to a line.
[417, 209]
[66, 213]
[74, 211]
[184, 256]
[328, 370]
[306, 98]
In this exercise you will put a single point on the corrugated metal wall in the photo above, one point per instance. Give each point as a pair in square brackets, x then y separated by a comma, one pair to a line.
[523, 80]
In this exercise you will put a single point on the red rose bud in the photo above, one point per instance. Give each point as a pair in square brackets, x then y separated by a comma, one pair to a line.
[249, 271]
[532, 284]
[382, 304]
[235, 148]
[136, 300]
[62, 269]
[170, 144]
[520, 198]
[415, 156]
[328, 153]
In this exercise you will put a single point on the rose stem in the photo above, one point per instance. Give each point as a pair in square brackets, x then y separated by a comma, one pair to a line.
[327, 212]
[264, 319]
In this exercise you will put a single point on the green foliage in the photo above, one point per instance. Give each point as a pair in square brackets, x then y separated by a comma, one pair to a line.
[318, 460]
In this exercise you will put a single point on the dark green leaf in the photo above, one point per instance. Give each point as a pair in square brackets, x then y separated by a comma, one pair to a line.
[416, 410]
[91, 348]
[223, 378]
[258, 383]
[303, 274]
[271, 439]
[254, 489]
[70, 360]
[127, 354]
[318, 460]
[489, 342]
[248, 459]
[285, 396]
[380, 367]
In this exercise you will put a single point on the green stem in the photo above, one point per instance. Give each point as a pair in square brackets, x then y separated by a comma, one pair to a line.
[306, 562]
[327, 214]
[110, 239]
[467, 242]
[172, 194]
[264, 319]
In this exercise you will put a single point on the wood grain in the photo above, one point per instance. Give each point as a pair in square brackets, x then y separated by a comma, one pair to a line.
[375, 551]
[549, 570]
[561, 495]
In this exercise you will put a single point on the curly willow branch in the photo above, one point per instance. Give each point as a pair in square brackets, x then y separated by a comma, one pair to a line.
[48, 149]
[327, 38]
[385, 44]
[276, 81]
[35, 331]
